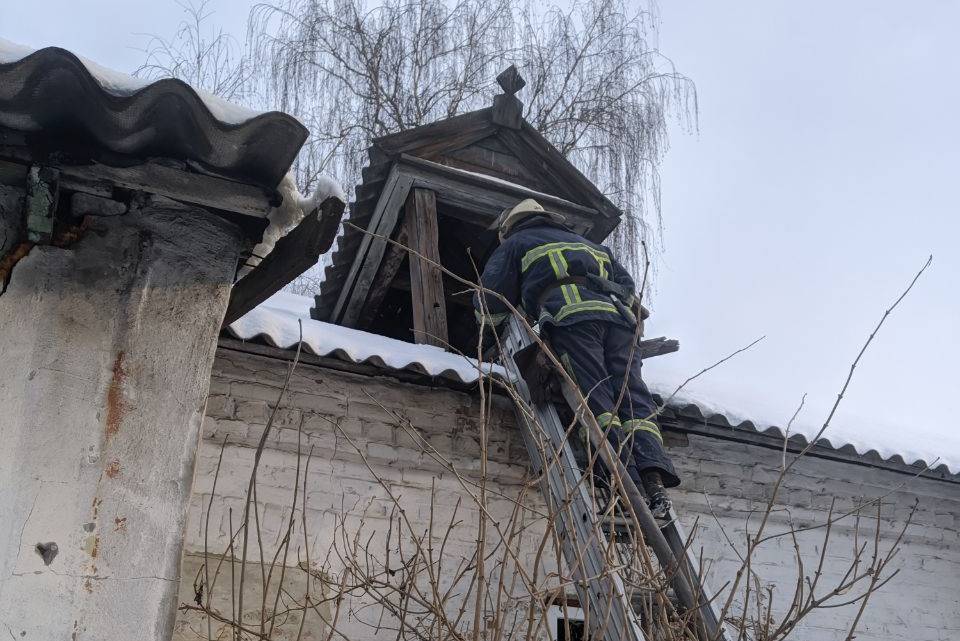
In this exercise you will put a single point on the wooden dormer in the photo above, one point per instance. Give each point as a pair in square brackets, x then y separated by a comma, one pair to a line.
[437, 189]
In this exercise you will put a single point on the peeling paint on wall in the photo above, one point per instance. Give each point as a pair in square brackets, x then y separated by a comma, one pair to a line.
[9, 260]
[116, 406]
[113, 469]
[91, 545]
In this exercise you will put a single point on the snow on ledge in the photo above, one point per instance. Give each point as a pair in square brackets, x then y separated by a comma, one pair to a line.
[290, 212]
[276, 320]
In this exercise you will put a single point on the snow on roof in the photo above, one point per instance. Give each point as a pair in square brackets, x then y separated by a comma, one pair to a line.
[721, 404]
[57, 93]
[276, 321]
[122, 84]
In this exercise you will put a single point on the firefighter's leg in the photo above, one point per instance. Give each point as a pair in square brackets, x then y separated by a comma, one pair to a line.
[637, 414]
[580, 348]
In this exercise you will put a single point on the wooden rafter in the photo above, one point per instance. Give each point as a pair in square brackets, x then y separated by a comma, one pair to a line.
[426, 281]
[293, 254]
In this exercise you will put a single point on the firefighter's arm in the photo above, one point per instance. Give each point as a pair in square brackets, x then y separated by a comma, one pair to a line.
[620, 275]
[501, 275]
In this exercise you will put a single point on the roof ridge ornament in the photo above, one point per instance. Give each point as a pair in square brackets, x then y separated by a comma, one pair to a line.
[510, 80]
[507, 108]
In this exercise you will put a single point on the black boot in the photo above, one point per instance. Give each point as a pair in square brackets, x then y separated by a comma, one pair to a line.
[656, 495]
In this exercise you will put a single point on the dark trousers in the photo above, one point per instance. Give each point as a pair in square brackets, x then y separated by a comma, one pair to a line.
[598, 355]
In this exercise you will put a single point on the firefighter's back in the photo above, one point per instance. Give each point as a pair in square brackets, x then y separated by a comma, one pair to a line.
[559, 274]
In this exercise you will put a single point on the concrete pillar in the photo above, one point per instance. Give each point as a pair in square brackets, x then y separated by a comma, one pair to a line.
[105, 355]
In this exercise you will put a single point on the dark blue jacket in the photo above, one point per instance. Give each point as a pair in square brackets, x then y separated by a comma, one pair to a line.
[537, 255]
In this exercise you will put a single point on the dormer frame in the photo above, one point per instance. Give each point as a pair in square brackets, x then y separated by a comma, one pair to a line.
[484, 197]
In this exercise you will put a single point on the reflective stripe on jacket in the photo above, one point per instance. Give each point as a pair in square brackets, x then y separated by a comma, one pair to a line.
[527, 267]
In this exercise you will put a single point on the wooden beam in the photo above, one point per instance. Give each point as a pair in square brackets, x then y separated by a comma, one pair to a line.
[436, 138]
[658, 347]
[426, 280]
[364, 269]
[500, 191]
[293, 254]
[385, 278]
[150, 177]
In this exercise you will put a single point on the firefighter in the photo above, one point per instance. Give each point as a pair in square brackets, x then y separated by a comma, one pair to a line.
[585, 304]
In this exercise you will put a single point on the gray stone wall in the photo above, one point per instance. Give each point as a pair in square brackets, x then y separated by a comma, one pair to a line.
[725, 483]
[106, 347]
[354, 423]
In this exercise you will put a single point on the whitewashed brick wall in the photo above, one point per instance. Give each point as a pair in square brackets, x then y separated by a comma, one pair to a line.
[725, 483]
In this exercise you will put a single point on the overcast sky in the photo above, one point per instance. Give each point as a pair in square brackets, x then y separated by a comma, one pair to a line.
[823, 175]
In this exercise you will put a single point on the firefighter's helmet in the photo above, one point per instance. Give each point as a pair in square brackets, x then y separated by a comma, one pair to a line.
[527, 208]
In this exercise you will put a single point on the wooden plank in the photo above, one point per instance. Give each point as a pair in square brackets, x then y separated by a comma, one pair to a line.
[154, 178]
[364, 269]
[457, 140]
[557, 165]
[426, 280]
[507, 111]
[440, 136]
[458, 163]
[496, 191]
[385, 278]
[506, 164]
[388, 186]
[82, 204]
[527, 180]
[658, 347]
[293, 254]
[536, 163]
[479, 199]
[493, 143]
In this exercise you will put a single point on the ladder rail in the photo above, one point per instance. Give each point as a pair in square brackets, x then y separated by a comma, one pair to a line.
[611, 616]
[674, 564]
[676, 537]
[669, 541]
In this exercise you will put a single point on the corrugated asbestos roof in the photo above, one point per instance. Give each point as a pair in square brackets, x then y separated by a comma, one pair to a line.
[276, 322]
[360, 212]
[690, 417]
[54, 96]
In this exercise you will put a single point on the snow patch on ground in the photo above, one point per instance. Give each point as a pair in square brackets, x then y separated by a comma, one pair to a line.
[276, 320]
[121, 84]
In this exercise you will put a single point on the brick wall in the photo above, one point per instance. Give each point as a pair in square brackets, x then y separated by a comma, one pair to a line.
[367, 435]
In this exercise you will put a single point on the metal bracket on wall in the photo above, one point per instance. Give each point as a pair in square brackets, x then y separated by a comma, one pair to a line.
[43, 191]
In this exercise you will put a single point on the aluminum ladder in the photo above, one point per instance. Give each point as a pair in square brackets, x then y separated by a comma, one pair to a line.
[612, 617]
